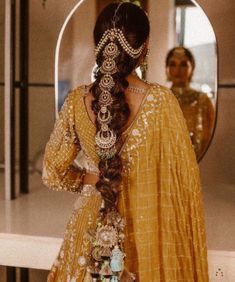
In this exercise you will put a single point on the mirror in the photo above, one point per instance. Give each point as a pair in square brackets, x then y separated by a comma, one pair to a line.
[173, 23]
[191, 71]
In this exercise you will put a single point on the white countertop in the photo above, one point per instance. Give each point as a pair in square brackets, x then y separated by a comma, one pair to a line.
[32, 227]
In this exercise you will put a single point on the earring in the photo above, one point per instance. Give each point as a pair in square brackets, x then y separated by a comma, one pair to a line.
[144, 65]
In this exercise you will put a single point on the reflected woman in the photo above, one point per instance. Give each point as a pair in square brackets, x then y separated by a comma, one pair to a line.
[197, 107]
[139, 212]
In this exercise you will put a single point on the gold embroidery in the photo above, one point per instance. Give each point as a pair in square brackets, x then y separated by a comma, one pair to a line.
[58, 171]
[160, 196]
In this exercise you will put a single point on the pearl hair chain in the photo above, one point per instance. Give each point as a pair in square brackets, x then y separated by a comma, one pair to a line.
[117, 33]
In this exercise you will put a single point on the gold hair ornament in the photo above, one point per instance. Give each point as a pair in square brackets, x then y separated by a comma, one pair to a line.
[107, 241]
[116, 33]
[105, 138]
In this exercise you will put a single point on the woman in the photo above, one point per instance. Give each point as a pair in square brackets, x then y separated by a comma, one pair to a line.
[139, 214]
[197, 108]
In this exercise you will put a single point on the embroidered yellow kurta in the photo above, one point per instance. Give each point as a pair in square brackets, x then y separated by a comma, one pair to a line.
[160, 194]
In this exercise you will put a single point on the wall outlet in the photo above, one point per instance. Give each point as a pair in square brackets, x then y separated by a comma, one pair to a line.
[221, 266]
[218, 274]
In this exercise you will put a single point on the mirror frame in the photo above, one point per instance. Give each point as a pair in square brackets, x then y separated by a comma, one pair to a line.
[216, 84]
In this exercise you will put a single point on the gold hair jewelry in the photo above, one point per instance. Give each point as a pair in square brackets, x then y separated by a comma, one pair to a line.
[111, 34]
[107, 242]
[105, 138]
[105, 98]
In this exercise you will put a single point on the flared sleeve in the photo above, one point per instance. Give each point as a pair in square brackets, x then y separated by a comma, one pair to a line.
[59, 172]
[179, 175]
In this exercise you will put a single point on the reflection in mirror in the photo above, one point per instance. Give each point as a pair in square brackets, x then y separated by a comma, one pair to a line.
[196, 105]
[192, 72]
[173, 23]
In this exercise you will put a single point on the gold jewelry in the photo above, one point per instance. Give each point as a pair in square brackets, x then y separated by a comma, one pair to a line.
[135, 89]
[104, 116]
[111, 34]
[105, 138]
[111, 50]
[106, 236]
[105, 98]
[144, 64]
[108, 66]
[109, 236]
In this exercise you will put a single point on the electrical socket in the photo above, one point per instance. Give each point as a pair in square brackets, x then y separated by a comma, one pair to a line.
[218, 274]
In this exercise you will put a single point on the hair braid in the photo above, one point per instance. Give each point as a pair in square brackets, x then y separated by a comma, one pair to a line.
[111, 169]
[133, 22]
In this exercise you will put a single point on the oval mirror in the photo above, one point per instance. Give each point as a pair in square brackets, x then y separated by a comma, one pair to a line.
[190, 70]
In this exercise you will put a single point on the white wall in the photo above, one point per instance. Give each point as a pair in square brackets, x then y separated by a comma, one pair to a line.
[218, 166]
[161, 14]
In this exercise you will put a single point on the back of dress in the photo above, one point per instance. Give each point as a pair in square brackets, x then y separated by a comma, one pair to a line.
[160, 194]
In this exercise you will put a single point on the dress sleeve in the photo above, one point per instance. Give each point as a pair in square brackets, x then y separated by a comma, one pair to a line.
[62, 148]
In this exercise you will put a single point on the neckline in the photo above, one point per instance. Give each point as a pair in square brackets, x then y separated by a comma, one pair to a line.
[124, 132]
[128, 129]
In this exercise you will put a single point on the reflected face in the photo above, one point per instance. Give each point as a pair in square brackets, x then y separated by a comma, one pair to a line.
[179, 70]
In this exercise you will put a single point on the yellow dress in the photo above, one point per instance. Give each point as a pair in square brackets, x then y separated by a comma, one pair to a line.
[160, 196]
[199, 113]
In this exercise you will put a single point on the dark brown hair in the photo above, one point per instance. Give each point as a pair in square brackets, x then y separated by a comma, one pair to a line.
[134, 23]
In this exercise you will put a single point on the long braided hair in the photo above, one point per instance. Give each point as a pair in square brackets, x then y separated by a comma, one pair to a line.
[134, 24]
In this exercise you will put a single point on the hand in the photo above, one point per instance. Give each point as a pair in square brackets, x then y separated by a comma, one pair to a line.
[90, 178]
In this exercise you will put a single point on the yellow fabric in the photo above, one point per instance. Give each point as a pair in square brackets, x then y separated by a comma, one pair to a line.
[62, 148]
[76, 243]
[199, 113]
[160, 194]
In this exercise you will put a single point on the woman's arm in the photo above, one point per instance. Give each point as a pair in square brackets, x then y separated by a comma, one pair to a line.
[61, 149]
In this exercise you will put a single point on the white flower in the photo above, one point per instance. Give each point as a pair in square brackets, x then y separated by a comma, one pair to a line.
[81, 260]
[135, 132]
[150, 97]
